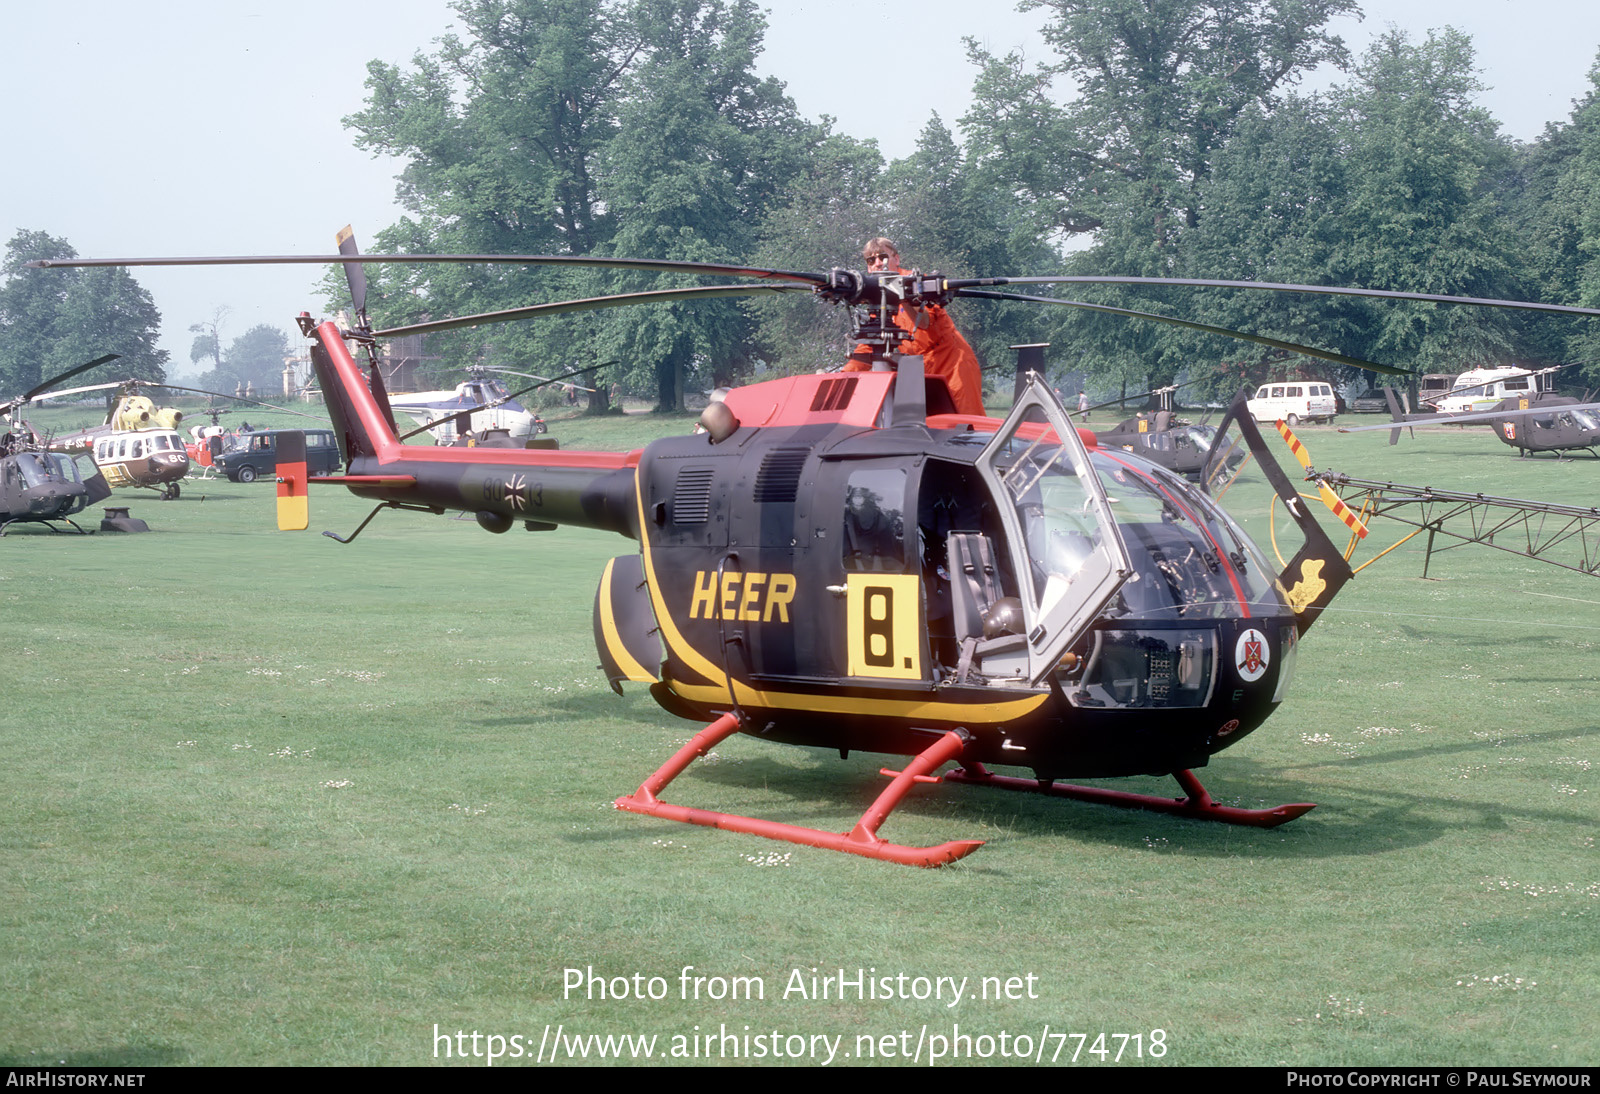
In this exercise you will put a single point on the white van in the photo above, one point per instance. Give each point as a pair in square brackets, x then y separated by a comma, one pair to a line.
[1483, 388]
[1294, 401]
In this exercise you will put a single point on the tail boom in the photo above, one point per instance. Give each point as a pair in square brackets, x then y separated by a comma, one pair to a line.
[539, 486]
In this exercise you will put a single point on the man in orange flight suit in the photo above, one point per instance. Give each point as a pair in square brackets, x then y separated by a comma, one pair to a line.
[933, 335]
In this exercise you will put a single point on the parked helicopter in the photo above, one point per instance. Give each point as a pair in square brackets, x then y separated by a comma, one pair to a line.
[1162, 436]
[37, 485]
[482, 398]
[1535, 422]
[840, 560]
[137, 446]
[1158, 435]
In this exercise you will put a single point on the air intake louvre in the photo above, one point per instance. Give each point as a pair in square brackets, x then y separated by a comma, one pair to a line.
[834, 394]
[691, 496]
[779, 477]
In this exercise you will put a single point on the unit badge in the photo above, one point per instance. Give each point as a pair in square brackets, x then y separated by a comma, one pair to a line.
[1250, 655]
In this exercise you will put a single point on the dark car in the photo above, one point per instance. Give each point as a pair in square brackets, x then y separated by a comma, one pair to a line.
[1370, 401]
[255, 455]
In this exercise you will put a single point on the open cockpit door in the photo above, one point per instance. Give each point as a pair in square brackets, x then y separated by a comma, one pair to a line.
[1066, 550]
[1242, 476]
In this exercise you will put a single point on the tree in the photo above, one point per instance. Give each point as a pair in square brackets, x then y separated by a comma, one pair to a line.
[106, 310]
[52, 320]
[1115, 138]
[30, 309]
[703, 149]
[208, 339]
[1154, 88]
[941, 213]
[1274, 211]
[828, 210]
[1556, 214]
[501, 132]
[582, 127]
[944, 215]
[255, 358]
[1424, 163]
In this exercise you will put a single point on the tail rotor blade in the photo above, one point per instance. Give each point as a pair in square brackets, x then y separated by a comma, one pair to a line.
[355, 274]
[1295, 446]
[1335, 504]
[1339, 509]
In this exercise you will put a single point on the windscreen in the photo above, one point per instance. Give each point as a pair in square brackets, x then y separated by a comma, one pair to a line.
[1192, 561]
[1245, 477]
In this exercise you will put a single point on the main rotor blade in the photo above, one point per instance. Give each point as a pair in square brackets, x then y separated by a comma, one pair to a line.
[1204, 328]
[54, 380]
[1144, 395]
[527, 376]
[646, 264]
[593, 303]
[233, 398]
[77, 390]
[1326, 290]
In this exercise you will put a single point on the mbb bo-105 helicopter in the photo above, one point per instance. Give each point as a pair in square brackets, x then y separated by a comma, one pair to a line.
[840, 560]
[1161, 437]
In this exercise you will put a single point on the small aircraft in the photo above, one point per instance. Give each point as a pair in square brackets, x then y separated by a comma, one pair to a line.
[1555, 423]
[37, 485]
[842, 561]
[1160, 435]
[199, 444]
[139, 445]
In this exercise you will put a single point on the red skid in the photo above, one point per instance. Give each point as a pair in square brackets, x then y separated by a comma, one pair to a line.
[1198, 805]
[861, 840]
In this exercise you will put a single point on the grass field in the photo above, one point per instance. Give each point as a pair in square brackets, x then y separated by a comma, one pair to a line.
[274, 800]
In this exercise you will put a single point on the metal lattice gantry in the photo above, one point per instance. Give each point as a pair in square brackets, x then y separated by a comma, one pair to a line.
[1562, 535]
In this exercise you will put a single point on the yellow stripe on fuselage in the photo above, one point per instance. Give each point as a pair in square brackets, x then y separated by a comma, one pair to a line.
[916, 708]
[670, 634]
[631, 669]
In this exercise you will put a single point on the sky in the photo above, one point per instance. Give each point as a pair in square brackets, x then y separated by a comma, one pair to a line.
[189, 128]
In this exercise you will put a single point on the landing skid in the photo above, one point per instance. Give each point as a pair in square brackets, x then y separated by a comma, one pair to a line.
[50, 524]
[860, 840]
[1197, 806]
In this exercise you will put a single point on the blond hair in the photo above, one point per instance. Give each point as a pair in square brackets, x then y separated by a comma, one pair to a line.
[878, 243]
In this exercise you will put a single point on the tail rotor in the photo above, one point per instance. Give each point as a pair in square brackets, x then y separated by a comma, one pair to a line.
[1332, 500]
